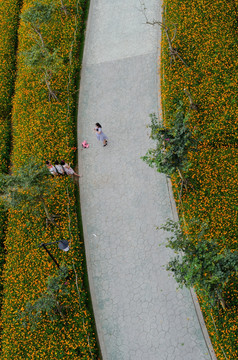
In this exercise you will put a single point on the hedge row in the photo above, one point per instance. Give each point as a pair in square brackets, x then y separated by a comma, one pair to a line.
[46, 130]
[207, 41]
[9, 15]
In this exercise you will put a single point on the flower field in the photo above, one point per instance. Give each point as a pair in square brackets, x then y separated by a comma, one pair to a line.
[207, 41]
[46, 130]
[9, 15]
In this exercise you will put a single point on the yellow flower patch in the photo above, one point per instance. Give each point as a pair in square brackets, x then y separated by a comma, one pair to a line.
[46, 130]
[207, 41]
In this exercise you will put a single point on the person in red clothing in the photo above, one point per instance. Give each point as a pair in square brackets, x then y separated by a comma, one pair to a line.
[51, 168]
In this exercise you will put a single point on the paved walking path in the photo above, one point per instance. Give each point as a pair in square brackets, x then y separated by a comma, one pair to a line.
[140, 315]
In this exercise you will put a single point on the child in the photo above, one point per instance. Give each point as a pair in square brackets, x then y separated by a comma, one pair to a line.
[85, 145]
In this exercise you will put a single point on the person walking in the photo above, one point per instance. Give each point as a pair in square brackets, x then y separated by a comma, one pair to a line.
[100, 135]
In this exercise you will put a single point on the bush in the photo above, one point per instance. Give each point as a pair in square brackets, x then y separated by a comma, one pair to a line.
[200, 263]
[49, 303]
[172, 144]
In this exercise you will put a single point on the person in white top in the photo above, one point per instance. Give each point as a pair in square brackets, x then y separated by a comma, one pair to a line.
[51, 168]
[68, 169]
[59, 168]
[100, 134]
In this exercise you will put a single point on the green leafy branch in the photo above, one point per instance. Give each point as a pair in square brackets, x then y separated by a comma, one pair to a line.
[50, 302]
[200, 262]
[172, 145]
[39, 56]
[26, 187]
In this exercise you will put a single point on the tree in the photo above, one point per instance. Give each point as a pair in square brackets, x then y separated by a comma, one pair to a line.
[37, 15]
[50, 301]
[200, 262]
[192, 104]
[29, 185]
[174, 53]
[172, 144]
[39, 56]
[64, 8]
[44, 61]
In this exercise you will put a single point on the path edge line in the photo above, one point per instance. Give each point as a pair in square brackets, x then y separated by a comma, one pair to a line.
[99, 334]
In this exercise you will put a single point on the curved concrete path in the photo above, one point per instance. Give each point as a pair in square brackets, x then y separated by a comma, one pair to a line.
[140, 315]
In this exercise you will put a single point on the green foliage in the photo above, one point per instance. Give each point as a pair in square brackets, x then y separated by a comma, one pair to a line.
[46, 62]
[200, 263]
[39, 56]
[42, 59]
[28, 181]
[28, 186]
[49, 302]
[38, 14]
[172, 144]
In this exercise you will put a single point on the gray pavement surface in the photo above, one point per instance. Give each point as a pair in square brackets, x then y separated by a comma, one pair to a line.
[140, 314]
